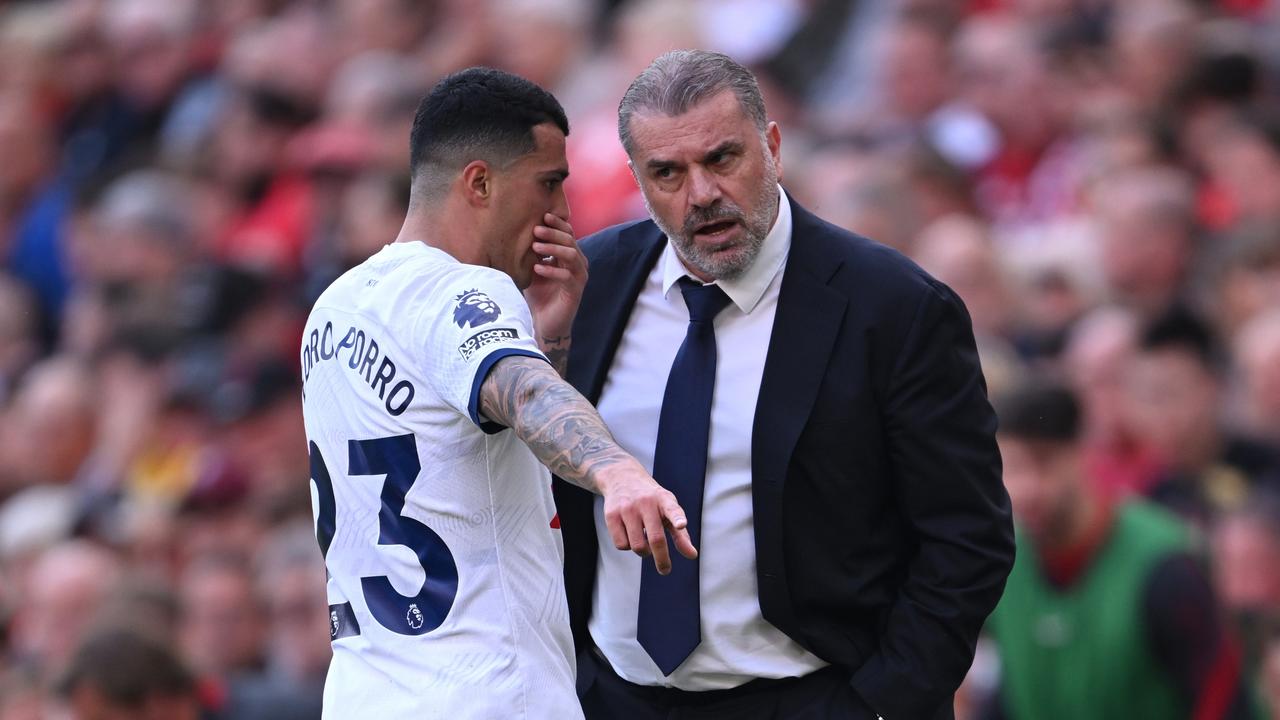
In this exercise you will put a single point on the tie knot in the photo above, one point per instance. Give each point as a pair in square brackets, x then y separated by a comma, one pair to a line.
[704, 301]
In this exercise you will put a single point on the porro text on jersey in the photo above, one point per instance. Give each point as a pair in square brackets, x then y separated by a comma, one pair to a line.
[360, 352]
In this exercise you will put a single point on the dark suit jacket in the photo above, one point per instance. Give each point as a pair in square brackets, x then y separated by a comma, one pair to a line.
[882, 527]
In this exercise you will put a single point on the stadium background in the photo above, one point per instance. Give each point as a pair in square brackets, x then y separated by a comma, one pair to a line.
[179, 179]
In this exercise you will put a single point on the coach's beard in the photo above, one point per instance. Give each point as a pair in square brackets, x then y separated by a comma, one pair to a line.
[721, 264]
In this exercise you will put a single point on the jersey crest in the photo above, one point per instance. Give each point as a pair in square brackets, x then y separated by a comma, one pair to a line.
[474, 309]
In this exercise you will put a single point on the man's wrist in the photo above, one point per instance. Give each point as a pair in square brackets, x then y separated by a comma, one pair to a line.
[556, 348]
[607, 478]
[602, 480]
[554, 339]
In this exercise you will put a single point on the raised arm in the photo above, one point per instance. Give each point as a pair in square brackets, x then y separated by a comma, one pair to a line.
[556, 290]
[567, 434]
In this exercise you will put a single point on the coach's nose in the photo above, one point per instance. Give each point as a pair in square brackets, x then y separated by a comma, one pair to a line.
[704, 187]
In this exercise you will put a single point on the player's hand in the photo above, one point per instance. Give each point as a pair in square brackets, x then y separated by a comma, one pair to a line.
[639, 512]
[558, 279]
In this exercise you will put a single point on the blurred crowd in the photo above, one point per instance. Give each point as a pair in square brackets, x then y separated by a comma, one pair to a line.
[1099, 181]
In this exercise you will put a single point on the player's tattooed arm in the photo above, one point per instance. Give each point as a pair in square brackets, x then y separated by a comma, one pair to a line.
[561, 428]
[567, 434]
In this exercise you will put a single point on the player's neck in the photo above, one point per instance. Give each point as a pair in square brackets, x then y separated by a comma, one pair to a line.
[438, 227]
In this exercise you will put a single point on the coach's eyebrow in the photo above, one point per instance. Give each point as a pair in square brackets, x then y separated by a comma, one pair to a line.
[728, 147]
[660, 164]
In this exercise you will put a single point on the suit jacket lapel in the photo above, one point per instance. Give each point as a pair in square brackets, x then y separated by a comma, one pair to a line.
[804, 331]
[618, 275]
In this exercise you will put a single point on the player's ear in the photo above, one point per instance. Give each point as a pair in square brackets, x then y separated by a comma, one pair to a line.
[477, 183]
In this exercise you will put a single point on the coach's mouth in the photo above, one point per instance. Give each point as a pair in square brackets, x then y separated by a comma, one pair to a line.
[715, 230]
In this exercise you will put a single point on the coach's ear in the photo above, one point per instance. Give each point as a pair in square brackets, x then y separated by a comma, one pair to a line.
[773, 142]
[477, 183]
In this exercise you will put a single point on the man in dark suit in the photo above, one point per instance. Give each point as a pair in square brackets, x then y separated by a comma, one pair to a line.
[814, 401]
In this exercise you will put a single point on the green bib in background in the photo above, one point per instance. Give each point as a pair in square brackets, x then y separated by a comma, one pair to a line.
[1083, 653]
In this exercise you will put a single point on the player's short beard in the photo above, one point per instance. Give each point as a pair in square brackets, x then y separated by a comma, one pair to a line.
[755, 227]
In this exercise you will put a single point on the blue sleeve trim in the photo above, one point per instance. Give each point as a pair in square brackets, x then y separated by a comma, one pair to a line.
[473, 406]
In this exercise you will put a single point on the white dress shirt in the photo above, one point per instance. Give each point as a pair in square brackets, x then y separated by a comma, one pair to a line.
[738, 644]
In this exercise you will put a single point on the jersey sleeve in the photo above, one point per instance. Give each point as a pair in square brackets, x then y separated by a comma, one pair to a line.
[477, 318]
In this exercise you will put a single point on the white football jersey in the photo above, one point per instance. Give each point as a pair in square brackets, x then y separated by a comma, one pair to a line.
[438, 527]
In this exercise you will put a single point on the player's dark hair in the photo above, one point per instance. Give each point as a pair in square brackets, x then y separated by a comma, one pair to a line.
[1039, 409]
[476, 114]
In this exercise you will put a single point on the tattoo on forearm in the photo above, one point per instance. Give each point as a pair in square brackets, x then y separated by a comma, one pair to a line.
[556, 422]
[557, 351]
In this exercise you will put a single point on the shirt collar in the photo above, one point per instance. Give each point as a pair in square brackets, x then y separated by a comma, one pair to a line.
[746, 290]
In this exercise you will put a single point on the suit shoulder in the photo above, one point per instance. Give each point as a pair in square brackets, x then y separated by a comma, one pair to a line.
[870, 264]
[603, 241]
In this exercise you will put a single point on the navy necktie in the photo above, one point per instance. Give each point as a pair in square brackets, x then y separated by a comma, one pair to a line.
[668, 625]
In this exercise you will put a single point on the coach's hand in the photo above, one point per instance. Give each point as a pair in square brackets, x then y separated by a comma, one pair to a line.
[639, 511]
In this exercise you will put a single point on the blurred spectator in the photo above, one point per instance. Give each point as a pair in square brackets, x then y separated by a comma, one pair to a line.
[861, 192]
[914, 84]
[939, 186]
[362, 135]
[259, 644]
[1246, 278]
[127, 674]
[222, 623]
[34, 203]
[298, 650]
[297, 641]
[262, 433]
[395, 25]
[957, 251]
[1096, 360]
[871, 193]
[1146, 218]
[151, 54]
[136, 245]
[269, 203]
[98, 125]
[547, 42]
[374, 207]
[60, 598]
[1257, 351]
[1219, 102]
[1174, 395]
[1246, 559]
[1243, 163]
[22, 697]
[1152, 49]
[1002, 71]
[50, 431]
[143, 604]
[1107, 613]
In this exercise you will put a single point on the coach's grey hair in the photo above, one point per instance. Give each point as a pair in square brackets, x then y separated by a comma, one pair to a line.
[681, 79]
